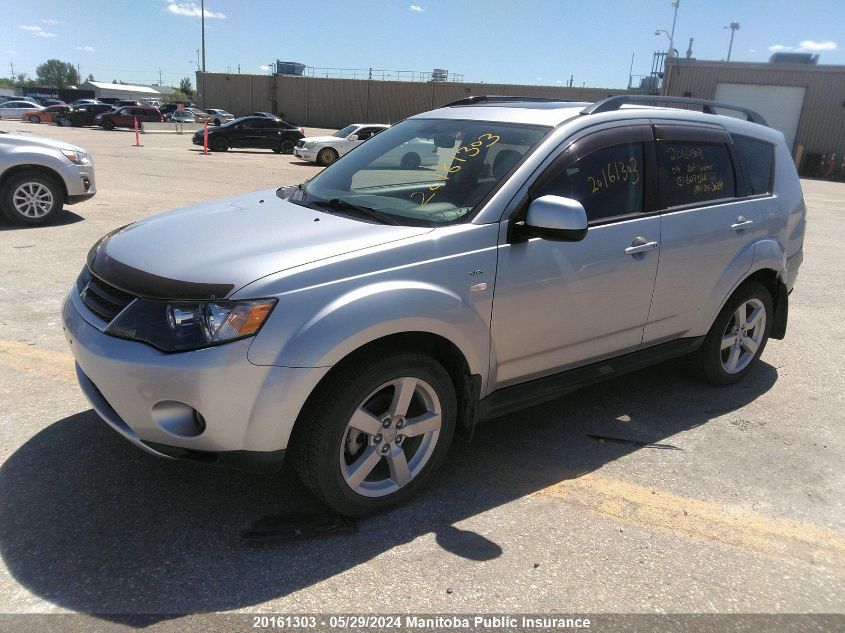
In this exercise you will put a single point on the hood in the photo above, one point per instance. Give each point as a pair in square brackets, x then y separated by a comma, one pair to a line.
[26, 139]
[210, 249]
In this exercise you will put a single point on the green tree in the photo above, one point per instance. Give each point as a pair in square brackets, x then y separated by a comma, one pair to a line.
[57, 74]
[185, 86]
[90, 77]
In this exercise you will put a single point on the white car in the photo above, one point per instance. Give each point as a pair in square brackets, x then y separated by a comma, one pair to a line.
[16, 109]
[182, 116]
[219, 117]
[324, 150]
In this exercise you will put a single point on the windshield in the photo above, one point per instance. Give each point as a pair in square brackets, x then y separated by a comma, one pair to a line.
[425, 172]
[349, 129]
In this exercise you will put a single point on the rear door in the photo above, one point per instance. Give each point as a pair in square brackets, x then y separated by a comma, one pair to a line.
[707, 231]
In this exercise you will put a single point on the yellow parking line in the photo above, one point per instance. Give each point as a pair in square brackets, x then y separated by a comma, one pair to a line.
[777, 537]
[37, 361]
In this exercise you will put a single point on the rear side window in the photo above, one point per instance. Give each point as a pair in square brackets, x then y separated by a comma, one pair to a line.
[608, 181]
[693, 173]
[756, 159]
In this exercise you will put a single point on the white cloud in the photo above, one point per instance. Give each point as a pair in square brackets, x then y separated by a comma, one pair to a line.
[192, 10]
[87, 49]
[11, 52]
[415, 7]
[807, 46]
[264, 67]
[810, 45]
[36, 30]
[49, 21]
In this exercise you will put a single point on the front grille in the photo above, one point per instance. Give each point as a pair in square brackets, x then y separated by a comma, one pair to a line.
[103, 299]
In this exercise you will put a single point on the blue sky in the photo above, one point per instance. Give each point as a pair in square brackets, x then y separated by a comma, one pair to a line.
[513, 41]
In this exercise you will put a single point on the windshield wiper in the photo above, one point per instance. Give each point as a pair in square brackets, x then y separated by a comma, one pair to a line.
[367, 212]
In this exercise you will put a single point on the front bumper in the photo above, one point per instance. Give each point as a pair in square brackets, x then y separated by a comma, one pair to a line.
[79, 182]
[305, 154]
[152, 399]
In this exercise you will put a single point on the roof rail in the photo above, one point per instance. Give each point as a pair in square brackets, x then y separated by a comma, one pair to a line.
[614, 103]
[498, 98]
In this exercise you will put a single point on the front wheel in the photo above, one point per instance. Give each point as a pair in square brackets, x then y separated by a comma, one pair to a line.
[327, 156]
[220, 145]
[108, 124]
[34, 118]
[738, 336]
[64, 122]
[376, 433]
[31, 198]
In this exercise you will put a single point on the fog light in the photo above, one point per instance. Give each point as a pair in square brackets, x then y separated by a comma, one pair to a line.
[86, 184]
[178, 418]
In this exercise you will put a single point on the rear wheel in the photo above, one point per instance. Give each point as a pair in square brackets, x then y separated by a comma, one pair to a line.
[737, 338]
[286, 147]
[220, 145]
[327, 156]
[31, 198]
[64, 121]
[377, 432]
[34, 118]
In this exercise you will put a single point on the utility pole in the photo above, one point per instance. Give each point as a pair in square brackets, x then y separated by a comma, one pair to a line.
[202, 18]
[159, 76]
[12, 66]
[239, 69]
[78, 75]
[734, 27]
[630, 72]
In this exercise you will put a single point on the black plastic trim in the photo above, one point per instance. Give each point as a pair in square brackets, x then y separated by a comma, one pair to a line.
[148, 285]
[82, 197]
[246, 461]
[611, 104]
[527, 394]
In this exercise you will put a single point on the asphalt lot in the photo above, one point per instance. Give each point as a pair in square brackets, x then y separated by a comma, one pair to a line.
[722, 500]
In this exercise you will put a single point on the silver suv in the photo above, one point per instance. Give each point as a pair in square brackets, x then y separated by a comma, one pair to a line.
[39, 175]
[356, 321]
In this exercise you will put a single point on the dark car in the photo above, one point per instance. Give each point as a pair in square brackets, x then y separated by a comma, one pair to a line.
[122, 102]
[81, 115]
[167, 108]
[253, 132]
[126, 117]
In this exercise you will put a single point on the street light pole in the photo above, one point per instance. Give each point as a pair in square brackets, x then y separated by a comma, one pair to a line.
[734, 27]
[202, 20]
[674, 20]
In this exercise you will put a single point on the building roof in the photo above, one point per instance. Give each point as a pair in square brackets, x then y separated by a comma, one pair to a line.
[102, 85]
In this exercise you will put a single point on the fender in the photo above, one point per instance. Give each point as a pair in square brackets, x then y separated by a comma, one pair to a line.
[768, 255]
[370, 312]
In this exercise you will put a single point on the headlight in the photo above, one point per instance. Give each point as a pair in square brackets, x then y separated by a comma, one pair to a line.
[309, 145]
[79, 158]
[177, 326]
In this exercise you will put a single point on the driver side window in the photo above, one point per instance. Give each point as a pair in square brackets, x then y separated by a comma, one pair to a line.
[609, 182]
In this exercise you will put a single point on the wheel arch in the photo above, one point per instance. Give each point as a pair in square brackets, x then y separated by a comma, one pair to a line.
[13, 171]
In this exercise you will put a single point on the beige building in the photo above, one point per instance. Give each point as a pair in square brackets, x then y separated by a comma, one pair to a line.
[804, 101]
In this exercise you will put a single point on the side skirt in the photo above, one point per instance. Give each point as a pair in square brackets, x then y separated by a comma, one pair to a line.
[527, 394]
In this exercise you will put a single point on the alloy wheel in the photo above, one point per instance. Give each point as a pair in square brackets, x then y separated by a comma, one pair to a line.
[32, 200]
[743, 336]
[390, 437]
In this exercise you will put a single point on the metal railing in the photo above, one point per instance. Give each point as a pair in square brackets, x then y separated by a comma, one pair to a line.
[381, 74]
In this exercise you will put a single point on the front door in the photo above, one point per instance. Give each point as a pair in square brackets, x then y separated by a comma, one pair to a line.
[562, 304]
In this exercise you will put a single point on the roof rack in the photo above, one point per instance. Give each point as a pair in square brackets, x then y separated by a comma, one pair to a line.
[614, 103]
[500, 99]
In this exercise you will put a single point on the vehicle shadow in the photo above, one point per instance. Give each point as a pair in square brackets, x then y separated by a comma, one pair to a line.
[92, 524]
[63, 218]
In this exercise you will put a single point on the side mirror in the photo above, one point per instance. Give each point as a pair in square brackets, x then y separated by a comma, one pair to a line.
[556, 218]
[352, 137]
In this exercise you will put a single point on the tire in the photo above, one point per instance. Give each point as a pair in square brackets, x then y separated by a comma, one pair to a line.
[108, 124]
[411, 160]
[219, 145]
[327, 156]
[286, 147]
[64, 122]
[31, 198]
[721, 365]
[363, 472]
[216, 121]
[34, 118]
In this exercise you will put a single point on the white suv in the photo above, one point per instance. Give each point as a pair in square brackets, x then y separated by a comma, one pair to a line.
[356, 321]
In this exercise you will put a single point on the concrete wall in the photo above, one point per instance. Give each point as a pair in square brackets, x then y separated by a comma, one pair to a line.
[334, 103]
[821, 127]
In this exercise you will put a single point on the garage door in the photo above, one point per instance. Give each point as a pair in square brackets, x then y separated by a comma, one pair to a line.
[779, 105]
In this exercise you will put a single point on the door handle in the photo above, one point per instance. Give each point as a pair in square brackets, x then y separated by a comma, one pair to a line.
[639, 245]
[741, 224]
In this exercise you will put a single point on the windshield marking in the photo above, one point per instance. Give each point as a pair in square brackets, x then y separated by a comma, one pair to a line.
[474, 146]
